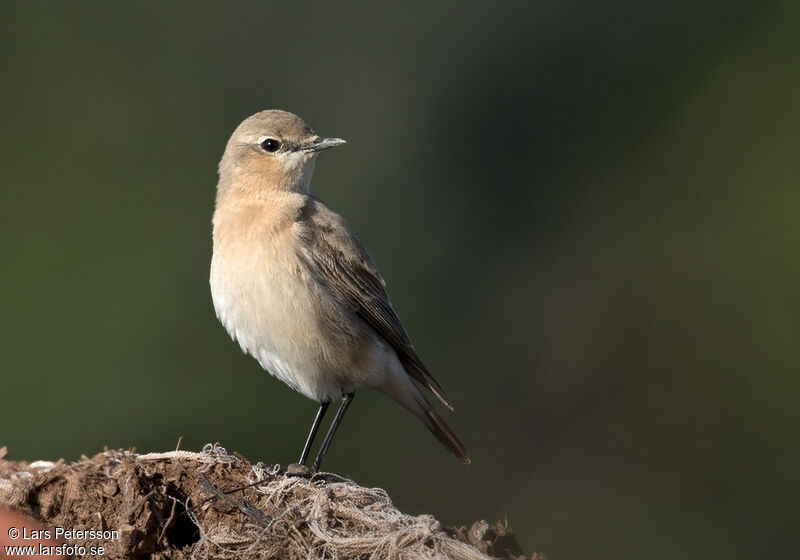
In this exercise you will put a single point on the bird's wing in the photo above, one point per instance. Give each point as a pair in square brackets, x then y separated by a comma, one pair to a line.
[346, 267]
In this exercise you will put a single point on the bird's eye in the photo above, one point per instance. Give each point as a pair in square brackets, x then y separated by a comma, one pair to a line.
[270, 145]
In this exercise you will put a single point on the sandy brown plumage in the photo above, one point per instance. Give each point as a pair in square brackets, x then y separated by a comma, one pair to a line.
[297, 290]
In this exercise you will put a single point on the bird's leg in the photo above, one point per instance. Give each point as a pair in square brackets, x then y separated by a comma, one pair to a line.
[323, 406]
[346, 399]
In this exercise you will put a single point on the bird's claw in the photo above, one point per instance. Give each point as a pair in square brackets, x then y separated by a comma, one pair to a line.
[298, 470]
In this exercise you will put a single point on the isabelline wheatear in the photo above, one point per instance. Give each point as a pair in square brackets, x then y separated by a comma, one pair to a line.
[297, 290]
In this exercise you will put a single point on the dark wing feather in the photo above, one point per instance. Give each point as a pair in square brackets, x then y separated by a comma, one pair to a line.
[346, 268]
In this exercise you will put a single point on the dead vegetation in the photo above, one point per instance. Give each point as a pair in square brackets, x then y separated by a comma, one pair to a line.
[213, 504]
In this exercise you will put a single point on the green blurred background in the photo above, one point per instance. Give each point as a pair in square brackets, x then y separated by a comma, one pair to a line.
[587, 215]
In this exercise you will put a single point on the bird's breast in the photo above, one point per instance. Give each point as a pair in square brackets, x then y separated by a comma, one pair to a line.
[274, 306]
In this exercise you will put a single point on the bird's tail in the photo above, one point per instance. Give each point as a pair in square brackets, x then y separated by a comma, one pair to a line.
[405, 393]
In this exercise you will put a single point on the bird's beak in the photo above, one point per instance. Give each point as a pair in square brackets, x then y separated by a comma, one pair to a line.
[318, 144]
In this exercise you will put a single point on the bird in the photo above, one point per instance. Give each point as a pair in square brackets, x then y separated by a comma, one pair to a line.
[299, 293]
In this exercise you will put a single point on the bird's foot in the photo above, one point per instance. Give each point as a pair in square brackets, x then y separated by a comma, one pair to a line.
[298, 470]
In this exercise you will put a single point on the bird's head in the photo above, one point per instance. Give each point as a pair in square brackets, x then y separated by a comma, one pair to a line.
[273, 151]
